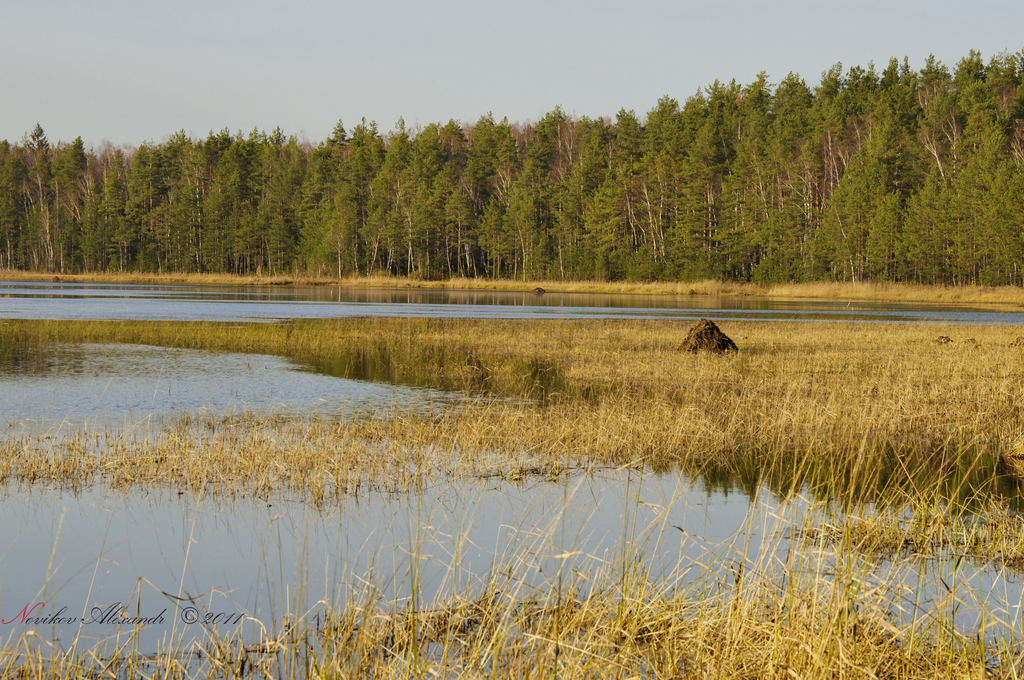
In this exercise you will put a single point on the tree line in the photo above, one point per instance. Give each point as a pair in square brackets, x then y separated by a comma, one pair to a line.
[903, 175]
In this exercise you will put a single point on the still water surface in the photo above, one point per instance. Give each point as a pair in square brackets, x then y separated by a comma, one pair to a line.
[116, 387]
[249, 562]
[35, 300]
[254, 560]
[265, 558]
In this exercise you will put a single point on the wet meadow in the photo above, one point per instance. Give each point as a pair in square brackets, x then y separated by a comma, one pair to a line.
[422, 497]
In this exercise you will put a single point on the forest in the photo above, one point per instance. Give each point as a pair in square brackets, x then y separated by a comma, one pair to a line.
[903, 175]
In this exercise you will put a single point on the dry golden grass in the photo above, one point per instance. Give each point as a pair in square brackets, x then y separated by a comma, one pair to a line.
[1003, 296]
[857, 412]
[840, 407]
[248, 456]
[929, 530]
[620, 391]
[769, 630]
[790, 615]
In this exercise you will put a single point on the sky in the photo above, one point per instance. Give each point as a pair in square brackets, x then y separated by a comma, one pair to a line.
[128, 72]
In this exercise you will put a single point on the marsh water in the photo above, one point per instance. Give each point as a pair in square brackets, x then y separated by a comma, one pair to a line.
[158, 552]
[59, 300]
[243, 566]
[116, 388]
[247, 563]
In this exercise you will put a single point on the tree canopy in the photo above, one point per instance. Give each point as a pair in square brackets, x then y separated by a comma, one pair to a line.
[898, 175]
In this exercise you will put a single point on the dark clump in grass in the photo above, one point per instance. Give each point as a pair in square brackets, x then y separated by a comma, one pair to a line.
[897, 436]
[707, 337]
[796, 387]
[875, 407]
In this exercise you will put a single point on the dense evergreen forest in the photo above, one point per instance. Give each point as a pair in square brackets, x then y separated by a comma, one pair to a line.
[903, 175]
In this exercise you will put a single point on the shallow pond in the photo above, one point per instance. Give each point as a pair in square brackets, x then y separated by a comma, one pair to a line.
[159, 553]
[99, 387]
[246, 563]
[191, 566]
[42, 300]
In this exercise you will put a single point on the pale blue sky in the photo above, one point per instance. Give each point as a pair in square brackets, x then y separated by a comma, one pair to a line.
[132, 71]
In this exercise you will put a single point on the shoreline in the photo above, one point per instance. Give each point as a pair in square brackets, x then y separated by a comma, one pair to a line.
[884, 417]
[1003, 296]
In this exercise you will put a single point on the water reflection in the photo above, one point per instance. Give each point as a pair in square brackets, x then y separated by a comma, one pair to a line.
[155, 550]
[160, 554]
[431, 367]
[963, 480]
[56, 300]
[113, 386]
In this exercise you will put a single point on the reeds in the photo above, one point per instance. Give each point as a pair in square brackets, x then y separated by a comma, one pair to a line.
[933, 530]
[874, 412]
[617, 391]
[780, 610]
[865, 417]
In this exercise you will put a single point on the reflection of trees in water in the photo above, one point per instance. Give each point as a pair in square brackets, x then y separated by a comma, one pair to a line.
[970, 480]
[445, 368]
[25, 359]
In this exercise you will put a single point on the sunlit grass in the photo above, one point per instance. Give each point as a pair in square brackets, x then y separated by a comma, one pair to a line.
[881, 292]
[622, 391]
[775, 610]
[844, 411]
[899, 435]
[991, 535]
